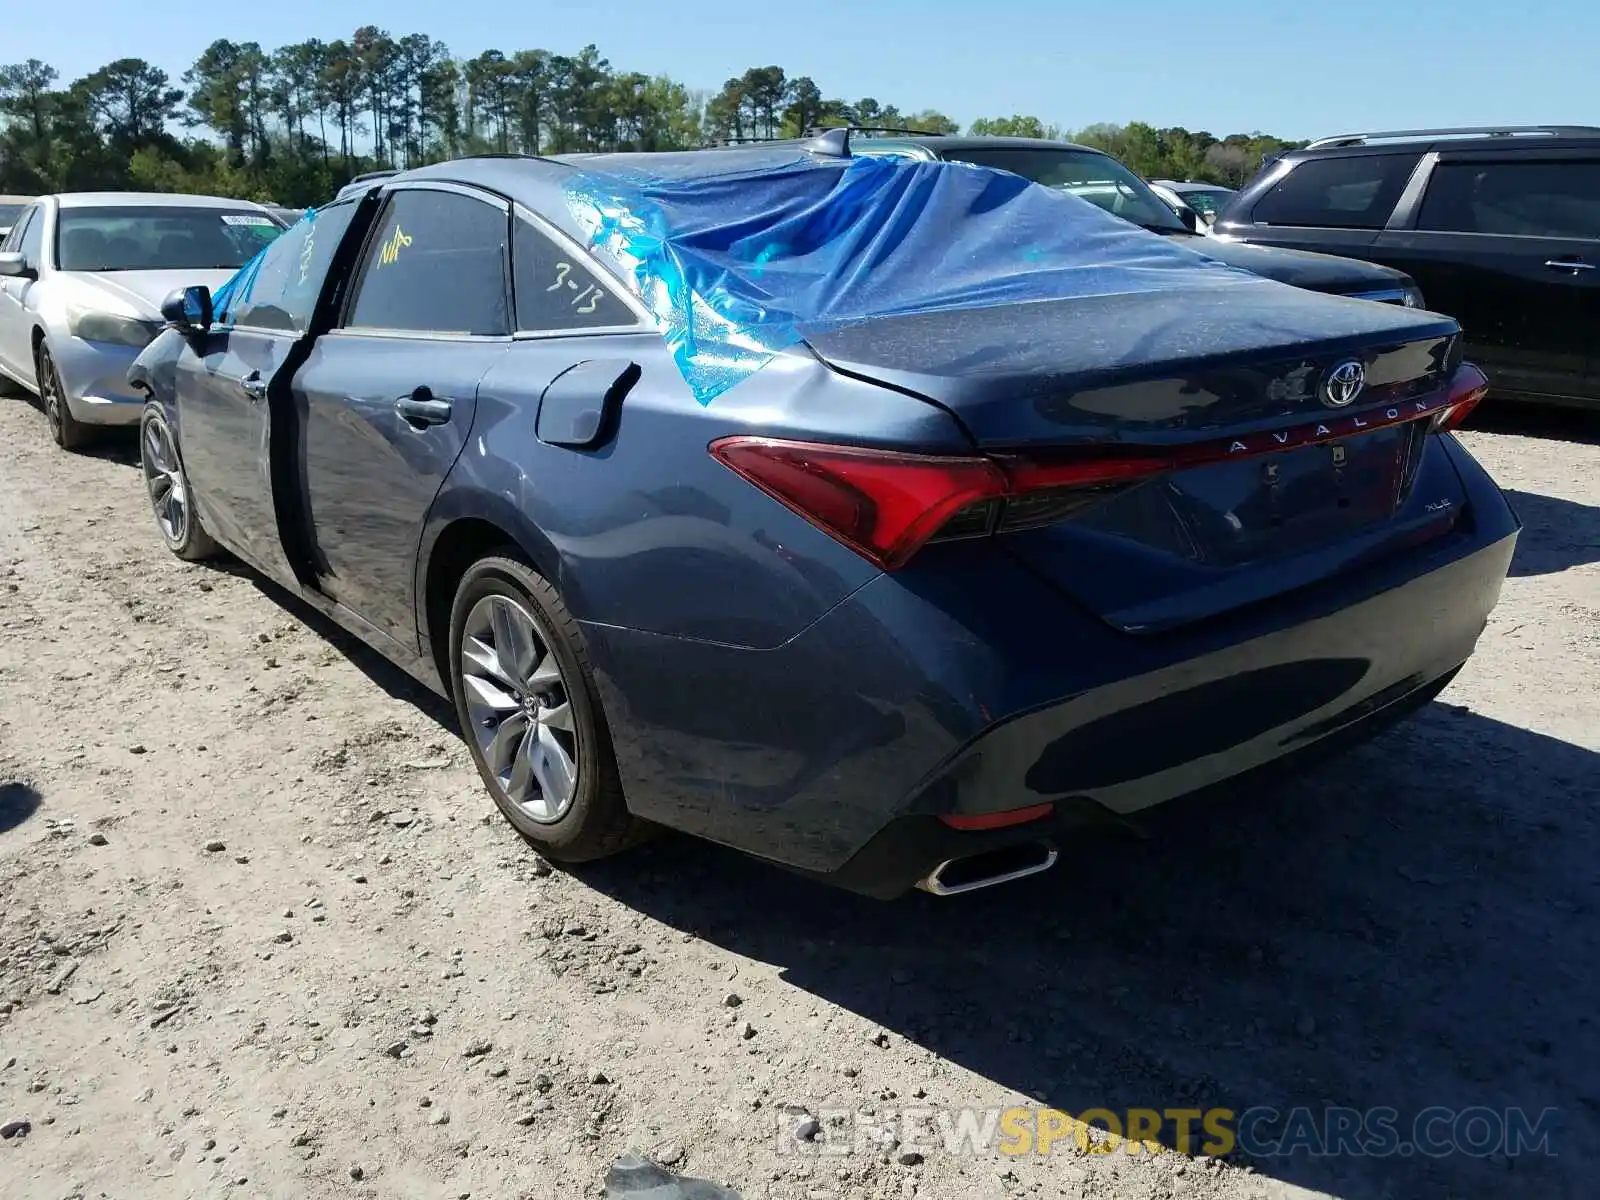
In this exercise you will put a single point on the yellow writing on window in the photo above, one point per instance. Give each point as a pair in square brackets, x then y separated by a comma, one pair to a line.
[392, 245]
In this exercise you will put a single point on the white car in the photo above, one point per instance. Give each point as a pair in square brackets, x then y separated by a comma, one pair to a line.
[1206, 199]
[1188, 215]
[82, 278]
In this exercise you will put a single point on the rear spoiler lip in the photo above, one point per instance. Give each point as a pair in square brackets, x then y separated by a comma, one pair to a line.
[1465, 388]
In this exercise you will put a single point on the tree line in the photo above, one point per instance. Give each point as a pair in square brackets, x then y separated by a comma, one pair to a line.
[291, 125]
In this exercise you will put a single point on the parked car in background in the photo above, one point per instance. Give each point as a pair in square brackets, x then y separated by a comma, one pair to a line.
[82, 277]
[889, 575]
[10, 209]
[1102, 180]
[1207, 199]
[1191, 219]
[288, 216]
[1500, 227]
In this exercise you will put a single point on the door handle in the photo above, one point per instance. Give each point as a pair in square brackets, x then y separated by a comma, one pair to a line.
[420, 409]
[253, 386]
[1568, 264]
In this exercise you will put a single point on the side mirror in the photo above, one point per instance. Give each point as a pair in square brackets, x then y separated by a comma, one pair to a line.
[14, 266]
[188, 309]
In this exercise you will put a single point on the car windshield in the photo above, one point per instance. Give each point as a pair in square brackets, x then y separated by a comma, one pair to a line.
[160, 238]
[1206, 203]
[1097, 178]
[9, 214]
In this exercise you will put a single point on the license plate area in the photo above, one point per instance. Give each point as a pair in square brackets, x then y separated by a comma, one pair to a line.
[1233, 513]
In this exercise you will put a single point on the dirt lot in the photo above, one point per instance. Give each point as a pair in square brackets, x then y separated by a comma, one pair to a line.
[261, 937]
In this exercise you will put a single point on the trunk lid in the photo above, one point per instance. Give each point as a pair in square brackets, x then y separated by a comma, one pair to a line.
[1174, 374]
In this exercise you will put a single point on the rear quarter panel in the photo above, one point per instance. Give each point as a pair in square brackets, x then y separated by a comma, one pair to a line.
[647, 531]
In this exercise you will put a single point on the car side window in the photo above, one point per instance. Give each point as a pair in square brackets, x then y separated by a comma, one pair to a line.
[280, 288]
[13, 237]
[1518, 199]
[435, 263]
[557, 290]
[31, 243]
[1341, 192]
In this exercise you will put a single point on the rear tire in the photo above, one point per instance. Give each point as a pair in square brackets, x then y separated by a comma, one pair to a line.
[530, 714]
[167, 485]
[65, 429]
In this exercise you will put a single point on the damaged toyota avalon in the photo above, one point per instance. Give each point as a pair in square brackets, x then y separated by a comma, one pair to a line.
[890, 521]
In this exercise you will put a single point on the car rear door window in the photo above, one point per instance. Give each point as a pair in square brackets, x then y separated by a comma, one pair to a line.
[436, 262]
[1517, 199]
[558, 290]
[280, 292]
[1343, 192]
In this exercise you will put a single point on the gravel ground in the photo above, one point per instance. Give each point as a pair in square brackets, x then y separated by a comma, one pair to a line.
[260, 935]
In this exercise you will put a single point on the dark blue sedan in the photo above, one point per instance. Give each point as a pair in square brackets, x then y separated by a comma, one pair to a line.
[886, 520]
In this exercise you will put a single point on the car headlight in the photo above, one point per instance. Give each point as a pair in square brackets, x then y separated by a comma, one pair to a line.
[95, 326]
[1411, 296]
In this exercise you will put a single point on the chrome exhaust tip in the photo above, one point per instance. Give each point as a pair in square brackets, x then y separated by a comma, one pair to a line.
[989, 868]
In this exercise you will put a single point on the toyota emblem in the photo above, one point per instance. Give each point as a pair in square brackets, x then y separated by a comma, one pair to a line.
[1343, 384]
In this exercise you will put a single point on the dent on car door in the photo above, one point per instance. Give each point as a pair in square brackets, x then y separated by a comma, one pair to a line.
[1510, 247]
[389, 396]
[231, 387]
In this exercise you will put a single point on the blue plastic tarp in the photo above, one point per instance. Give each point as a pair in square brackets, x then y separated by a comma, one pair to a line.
[735, 267]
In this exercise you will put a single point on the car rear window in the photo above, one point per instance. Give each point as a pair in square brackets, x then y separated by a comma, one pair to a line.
[436, 263]
[1345, 192]
[1518, 199]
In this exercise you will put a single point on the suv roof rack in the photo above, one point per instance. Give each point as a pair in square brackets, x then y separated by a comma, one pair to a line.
[1476, 131]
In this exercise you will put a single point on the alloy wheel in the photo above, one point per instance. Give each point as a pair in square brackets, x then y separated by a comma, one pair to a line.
[519, 705]
[163, 479]
[49, 392]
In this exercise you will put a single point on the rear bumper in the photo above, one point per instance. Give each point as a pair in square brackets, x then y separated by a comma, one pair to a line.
[95, 379]
[1148, 738]
[901, 854]
[921, 695]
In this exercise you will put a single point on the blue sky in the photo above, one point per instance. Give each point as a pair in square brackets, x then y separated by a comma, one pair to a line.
[1319, 69]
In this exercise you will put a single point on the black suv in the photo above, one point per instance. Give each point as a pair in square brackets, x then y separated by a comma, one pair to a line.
[1500, 227]
[1102, 180]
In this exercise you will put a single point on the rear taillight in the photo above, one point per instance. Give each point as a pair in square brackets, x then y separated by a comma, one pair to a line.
[1468, 388]
[887, 504]
[882, 503]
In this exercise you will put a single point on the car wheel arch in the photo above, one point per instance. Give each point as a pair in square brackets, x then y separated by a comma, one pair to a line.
[451, 547]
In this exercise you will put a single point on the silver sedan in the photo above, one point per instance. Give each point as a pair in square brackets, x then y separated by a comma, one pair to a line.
[82, 278]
